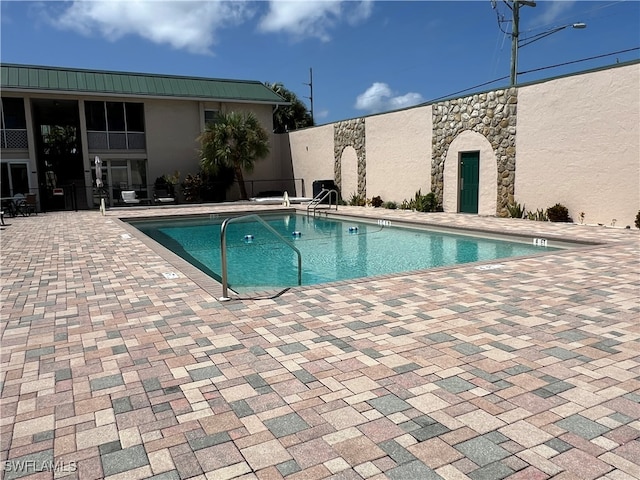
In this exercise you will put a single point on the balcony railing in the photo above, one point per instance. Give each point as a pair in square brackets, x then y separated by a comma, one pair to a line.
[116, 140]
[17, 139]
[14, 138]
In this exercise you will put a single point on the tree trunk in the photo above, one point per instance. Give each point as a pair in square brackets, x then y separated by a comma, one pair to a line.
[240, 179]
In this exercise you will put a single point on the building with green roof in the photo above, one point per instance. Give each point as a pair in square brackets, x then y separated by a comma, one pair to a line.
[56, 121]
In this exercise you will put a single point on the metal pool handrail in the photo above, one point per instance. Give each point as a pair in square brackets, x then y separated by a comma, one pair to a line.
[223, 250]
[324, 193]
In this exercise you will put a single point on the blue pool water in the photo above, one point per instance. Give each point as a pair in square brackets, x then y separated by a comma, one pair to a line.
[331, 249]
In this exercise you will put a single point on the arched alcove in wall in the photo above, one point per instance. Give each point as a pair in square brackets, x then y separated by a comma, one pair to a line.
[349, 173]
[350, 133]
[468, 142]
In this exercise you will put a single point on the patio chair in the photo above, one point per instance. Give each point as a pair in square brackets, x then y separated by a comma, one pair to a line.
[162, 196]
[31, 204]
[8, 207]
[19, 205]
[129, 197]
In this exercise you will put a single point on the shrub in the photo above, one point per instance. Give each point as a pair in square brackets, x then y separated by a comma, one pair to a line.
[431, 203]
[425, 203]
[162, 184]
[390, 205]
[357, 201]
[516, 210]
[539, 215]
[168, 182]
[172, 178]
[191, 187]
[638, 219]
[376, 202]
[558, 213]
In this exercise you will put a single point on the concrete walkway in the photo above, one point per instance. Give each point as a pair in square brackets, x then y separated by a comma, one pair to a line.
[530, 370]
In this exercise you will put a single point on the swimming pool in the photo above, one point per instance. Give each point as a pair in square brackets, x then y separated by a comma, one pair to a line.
[331, 248]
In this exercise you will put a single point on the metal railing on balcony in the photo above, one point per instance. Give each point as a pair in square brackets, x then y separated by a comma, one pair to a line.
[14, 138]
[98, 141]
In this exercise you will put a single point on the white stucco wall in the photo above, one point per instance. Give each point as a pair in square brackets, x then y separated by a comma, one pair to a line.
[172, 128]
[469, 141]
[398, 149]
[399, 154]
[578, 143]
[312, 155]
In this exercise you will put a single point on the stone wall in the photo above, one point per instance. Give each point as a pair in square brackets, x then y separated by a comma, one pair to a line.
[351, 133]
[492, 114]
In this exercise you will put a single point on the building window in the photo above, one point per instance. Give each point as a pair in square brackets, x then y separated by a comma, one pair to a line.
[13, 124]
[13, 116]
[96, 116]
[115, 117]
[211, 116]
[115, 125]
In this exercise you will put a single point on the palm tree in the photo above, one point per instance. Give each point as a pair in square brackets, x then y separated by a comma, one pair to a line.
[235, 140]
[289, 117]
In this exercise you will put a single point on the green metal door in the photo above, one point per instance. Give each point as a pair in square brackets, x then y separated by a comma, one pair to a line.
[469, 179]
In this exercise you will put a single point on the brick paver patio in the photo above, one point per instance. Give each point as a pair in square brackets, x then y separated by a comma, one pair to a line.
[112, 369]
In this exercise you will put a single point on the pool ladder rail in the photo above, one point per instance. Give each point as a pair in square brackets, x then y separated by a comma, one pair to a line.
[223, 250]
[319, 198]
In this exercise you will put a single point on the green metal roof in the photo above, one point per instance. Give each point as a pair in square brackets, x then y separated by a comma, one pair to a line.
[68, 80]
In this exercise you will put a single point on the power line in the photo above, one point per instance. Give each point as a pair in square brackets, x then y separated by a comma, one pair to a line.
[466, 90]
[581, 60]
[531, 71]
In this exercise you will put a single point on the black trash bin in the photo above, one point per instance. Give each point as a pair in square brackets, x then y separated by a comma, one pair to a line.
[318, 185]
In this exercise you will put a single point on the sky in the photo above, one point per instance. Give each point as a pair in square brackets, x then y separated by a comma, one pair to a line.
[354, 58]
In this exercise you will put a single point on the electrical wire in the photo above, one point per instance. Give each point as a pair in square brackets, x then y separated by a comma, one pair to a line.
[530, 71]
[577, 61]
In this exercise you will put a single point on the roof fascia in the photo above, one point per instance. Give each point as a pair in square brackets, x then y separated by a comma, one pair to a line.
[139, 97]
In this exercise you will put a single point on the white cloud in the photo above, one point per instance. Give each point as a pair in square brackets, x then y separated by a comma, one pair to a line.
[183, 25]
[380, 98]
[192, 25]
[313, 18]
[553, 11]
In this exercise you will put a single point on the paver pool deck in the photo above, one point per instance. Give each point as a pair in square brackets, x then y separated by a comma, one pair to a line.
[526, 369]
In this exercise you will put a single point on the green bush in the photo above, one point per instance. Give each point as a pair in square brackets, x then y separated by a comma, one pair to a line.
[516, 210]
[357, 201]
[539, 215]
[390, 205]
[558, 213]
[424, 203]
[638, 219]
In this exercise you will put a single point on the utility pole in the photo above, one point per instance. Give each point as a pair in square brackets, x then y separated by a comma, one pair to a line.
[310, 85]
[515, 32]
